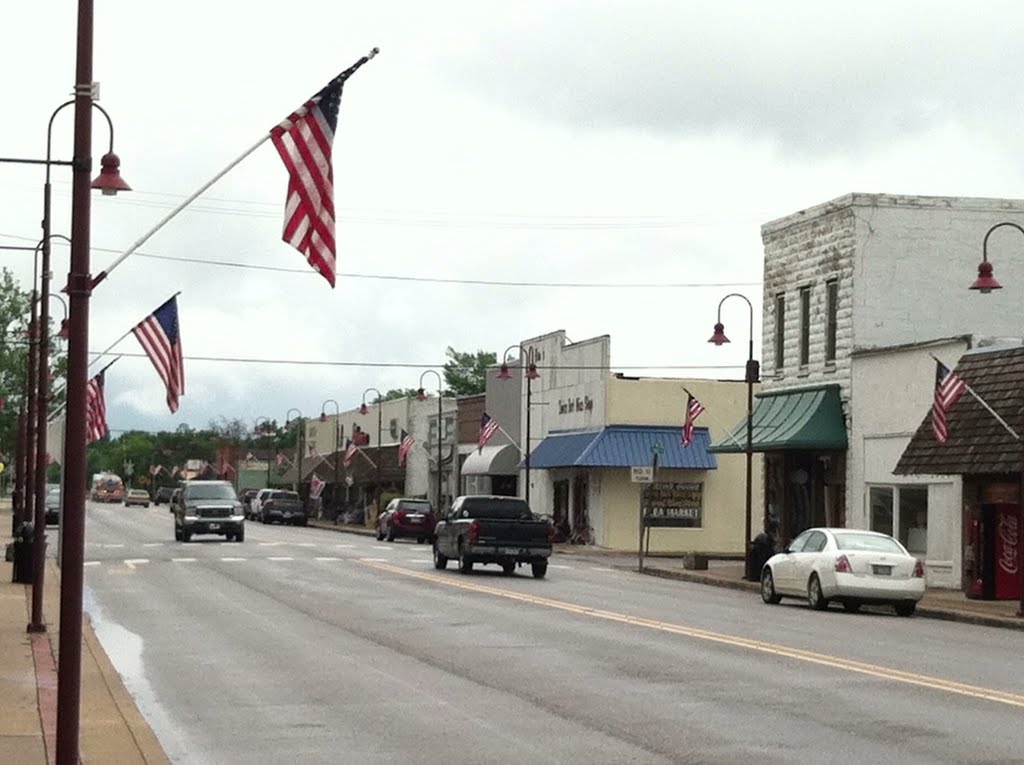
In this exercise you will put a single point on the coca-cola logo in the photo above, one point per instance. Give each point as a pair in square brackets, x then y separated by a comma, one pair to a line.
[1009, 535]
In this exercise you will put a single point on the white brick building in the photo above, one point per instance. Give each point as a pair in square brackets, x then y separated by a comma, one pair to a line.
[870, 277]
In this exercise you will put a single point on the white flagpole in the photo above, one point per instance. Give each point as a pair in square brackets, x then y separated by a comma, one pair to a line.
[982, 401]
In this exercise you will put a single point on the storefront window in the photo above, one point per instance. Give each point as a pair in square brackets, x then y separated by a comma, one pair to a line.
[881, 509]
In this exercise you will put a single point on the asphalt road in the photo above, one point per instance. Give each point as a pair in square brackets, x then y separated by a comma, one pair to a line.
[304, 645]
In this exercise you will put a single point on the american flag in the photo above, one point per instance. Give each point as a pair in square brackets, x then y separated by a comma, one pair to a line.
[304, 141]
[488, 427]
[948, 388]
[280, 459]
[693, 410]
[160, 338]
[249, 457]
[95, 409]
[155, 469]
[405, 446]
[350, 452]
[316, 486]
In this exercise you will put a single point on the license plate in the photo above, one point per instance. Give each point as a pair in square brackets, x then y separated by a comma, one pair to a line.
[214, 526]
[881, 570]
[512, 551]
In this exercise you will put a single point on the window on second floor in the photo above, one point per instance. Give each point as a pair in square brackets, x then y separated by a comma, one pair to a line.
[393, 428]
[831, 318]
[780, 332]
[805, 326]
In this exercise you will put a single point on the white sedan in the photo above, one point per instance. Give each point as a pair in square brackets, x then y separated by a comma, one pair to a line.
[850, 566]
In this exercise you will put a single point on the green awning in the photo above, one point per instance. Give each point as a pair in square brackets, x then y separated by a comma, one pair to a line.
[791, 420]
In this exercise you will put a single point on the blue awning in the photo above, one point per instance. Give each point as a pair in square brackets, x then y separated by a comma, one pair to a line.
[625, 446]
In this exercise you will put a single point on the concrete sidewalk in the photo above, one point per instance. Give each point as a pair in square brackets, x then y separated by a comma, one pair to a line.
[111, 728]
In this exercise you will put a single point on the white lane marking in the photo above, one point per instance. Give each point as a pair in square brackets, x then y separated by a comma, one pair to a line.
[152, 544]
[233, 560]
[269, 544]
[280, 557]
[556, 566]
[324, 559]
[112, 546]
[418, 560]
[133, 562]
[599, 568]
[91, 563]
[382, 547]
[303, 544]
[345, 546]
[374, 560]
[183, 560]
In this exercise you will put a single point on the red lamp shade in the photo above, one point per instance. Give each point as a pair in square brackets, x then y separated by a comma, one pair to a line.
[719, 337]
[531, 372]
[65, 329]
[504, 374]
[363, 409]
[985, 282]
[421, 395]
[109, 181]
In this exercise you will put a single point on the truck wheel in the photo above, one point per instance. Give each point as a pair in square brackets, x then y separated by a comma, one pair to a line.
[539, 569]
[186, 535]
[240, 535]
[508, 567]
[465, 563]
[440, 561]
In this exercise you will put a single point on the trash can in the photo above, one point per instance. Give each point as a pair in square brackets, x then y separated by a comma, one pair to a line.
[22, 573]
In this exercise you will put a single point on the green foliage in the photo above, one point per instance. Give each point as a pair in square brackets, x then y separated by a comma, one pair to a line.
[466, 373]
[399, 393]
[14, 309]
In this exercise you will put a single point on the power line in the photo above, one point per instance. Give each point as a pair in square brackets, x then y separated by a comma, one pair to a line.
[427, 279]
[411, 365]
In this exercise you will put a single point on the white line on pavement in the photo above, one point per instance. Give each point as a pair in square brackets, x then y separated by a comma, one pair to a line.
[417, 560]
[233, 560]
[345, 546]
[280, 558]
[132, 562]
[183, 560]
[374, 560]
[382, 547]
[327, 559]
[598, 568]
[152, 544]
[557, 566]
[91, 563]
[269, 544]
[304, 544]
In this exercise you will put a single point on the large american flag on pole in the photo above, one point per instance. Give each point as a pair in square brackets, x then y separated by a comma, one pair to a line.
[693, 410]
[350, 452]
[161, 340]
[95, 409]
[404, 447]
[304, 140]
[948, 388]
[488, 427]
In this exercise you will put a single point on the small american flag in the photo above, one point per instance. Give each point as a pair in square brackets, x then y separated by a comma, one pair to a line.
[316, 486]
[249, 457]
[95, 409]
[693, 410]
[279, 459]
[304, 141]
[948, 388]
[161, 340]
[405, 446]
[350, 452]
[155, 469]
[488, 427]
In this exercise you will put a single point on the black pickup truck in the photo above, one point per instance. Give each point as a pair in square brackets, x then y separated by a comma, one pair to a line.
[490, 529]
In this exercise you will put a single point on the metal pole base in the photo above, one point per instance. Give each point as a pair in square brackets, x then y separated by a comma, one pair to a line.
[36, 628]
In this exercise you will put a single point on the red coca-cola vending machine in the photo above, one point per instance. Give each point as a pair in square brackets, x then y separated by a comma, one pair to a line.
[996, 539]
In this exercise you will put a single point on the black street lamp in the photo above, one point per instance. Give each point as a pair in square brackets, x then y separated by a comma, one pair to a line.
[337, 445]
[422, 396]
[380, 429]
[984, 284]
[526, 356]
[752, 375]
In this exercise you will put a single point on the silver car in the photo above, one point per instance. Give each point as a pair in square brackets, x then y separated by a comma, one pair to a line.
[849, 566]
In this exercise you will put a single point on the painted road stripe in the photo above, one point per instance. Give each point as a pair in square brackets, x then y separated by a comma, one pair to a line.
[836, 662]
[553, 565]
[601, 568]
[345, 546]
[269, 544]
[326, 559]
[133, 562]
[280, 558]
[382, 547]
[183, 560]
[153, 544]
[372, 560]
[91, 563]
[303, 544]
[233, 560]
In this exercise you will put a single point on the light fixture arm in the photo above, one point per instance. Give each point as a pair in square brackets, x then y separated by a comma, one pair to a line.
[984, 243]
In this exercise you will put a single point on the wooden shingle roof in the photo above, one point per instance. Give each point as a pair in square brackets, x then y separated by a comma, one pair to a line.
[978, 443]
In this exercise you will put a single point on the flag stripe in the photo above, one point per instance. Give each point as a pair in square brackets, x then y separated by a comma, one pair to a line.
[693, 410]
[948, 388]
[95, 409]
[160, 338]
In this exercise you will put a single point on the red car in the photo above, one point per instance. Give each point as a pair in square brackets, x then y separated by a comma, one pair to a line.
[407, 518]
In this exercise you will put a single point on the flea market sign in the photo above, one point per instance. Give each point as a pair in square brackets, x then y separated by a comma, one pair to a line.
[673, 505]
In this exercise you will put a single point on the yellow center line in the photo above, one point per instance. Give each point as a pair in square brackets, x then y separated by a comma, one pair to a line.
[850, 665]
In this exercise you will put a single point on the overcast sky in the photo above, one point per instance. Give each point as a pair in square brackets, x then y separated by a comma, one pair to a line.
[618, 143]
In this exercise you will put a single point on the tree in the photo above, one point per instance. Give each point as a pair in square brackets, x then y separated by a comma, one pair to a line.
[466, 373]
[14, 307]
[394, 393]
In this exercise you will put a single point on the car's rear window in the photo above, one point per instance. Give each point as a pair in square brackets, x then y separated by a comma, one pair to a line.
[283, 495]
[867, 543]
[487, 507]
[416, 507]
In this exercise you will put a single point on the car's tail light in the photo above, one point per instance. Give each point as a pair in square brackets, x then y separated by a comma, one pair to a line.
[474, 531]
[400, 515]
[843, 565]
[918, 568]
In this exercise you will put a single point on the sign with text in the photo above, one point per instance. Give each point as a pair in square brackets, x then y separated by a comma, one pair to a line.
[642, 473]
[678, 505]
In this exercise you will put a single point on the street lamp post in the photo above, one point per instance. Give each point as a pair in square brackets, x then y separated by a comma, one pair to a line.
[380, 427]
[422, 396]
[984, 284]
[337, 446]
[299, 439]
[255, 429]
[752, 376]
[525, 354]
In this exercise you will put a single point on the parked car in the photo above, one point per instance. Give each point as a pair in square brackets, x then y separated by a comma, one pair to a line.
[207, 507]
[52, 505]
[282, 506]
[490, 529]
[407, 518]
[253, 512]
[850, 566]
[138, 497]
[246, 497]
[163, 494]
